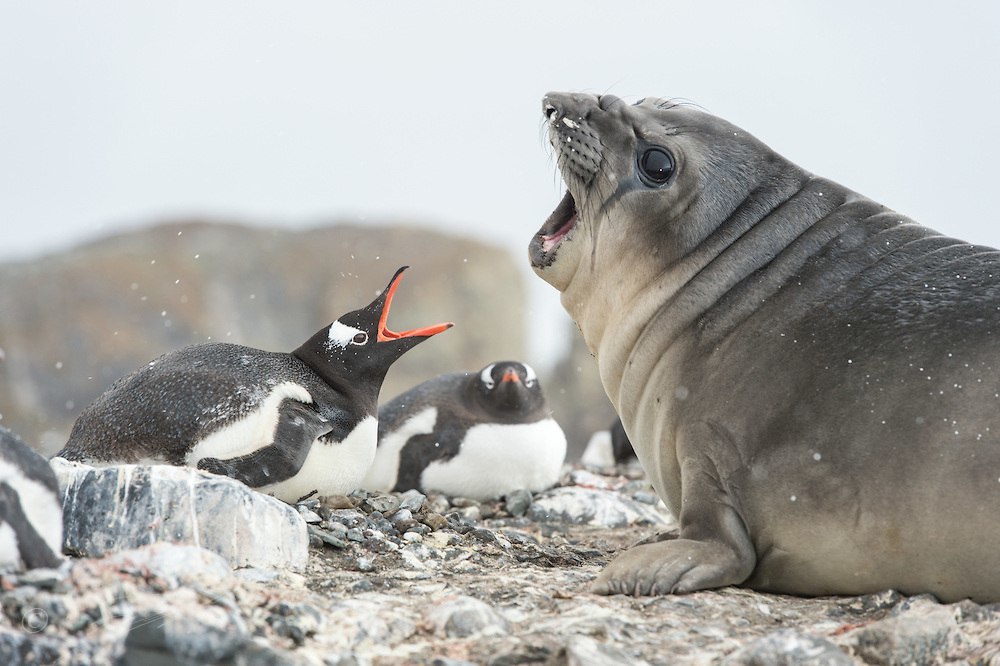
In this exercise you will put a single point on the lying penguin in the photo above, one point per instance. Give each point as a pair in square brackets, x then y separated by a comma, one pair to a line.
[610, 447]
[289, 425]
[30, 508]
[477, 435]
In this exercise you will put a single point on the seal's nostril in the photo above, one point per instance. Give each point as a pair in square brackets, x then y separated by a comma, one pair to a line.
[551, 112]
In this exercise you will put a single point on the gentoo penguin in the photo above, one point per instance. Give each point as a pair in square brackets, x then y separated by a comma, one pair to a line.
[289, 425]
[30, 508]
[477, 435]
[608, 448]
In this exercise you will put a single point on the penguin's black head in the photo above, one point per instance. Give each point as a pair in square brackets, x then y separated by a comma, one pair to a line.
[358, 348]
[510, 387]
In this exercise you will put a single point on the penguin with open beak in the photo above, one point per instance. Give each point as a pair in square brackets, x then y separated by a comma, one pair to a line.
[288, 424]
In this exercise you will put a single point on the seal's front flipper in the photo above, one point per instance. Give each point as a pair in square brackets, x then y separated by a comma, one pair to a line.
[298, 427]
[671, 567]
[713, 548]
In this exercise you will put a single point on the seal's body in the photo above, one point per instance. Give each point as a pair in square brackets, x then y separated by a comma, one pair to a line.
[477, 435]
[287, 424]
[806, 376]
[30, 508]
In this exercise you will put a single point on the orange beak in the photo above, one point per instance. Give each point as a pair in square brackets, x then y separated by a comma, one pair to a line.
[384, 334]
[510, 376]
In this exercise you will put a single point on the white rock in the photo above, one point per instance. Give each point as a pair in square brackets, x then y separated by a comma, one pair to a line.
[120, 507]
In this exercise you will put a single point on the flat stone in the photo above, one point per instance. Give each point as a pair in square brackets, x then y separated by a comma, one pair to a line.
[590, 506]
[585, 651]
[183, 563]
[121, 507]
[789, 647]
[384, 504]
[918, 629]
[463, 617]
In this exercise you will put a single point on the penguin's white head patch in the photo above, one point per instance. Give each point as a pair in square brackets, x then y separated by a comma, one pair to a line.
[486, 376]
[341, 335]
[529, 375]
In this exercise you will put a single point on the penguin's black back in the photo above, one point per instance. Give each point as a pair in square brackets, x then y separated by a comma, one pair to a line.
[164, 408]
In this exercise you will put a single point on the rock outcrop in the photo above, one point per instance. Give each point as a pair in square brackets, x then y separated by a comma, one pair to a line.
[111, 509]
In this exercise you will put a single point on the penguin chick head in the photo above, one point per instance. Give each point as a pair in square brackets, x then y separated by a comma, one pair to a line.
[358, 348]
[509, 387]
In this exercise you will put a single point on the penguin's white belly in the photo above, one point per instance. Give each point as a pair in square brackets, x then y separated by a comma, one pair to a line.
[329, 468]
[495, 459]
[385, 470]
[42, 508]
[332, 468]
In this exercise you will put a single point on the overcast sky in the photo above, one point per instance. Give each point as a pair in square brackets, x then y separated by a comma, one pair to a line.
[119, 114]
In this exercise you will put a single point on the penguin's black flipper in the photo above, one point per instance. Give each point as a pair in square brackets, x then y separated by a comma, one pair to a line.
[420, 450]
[298, 427]
[33, 550]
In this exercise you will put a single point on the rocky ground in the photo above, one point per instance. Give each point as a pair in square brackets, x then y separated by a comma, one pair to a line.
[403, 578]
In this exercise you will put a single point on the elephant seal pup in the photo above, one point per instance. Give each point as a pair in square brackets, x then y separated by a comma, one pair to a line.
[806, 376]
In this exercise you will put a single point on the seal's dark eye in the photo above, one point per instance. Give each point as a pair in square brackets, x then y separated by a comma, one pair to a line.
[656, 165]
[360, 339]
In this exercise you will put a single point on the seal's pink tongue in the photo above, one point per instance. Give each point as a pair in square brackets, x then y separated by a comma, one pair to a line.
[561, 222]
[550, 241]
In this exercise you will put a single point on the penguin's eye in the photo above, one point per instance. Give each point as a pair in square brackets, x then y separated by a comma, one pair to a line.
[360, 338]
[656, 166]
[489, 383]
[529, 382]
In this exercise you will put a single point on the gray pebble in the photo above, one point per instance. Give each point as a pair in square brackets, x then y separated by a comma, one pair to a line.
[327, 537]
[349, 517]
[355, 534]
[401, 515]
[472, 513]
[308, 515]
[337, 528]
[365, 564]
[518, 502]
[412, 499]
[437, 504]
[435, 521]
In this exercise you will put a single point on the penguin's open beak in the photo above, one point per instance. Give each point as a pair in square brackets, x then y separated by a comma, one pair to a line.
[384, 334]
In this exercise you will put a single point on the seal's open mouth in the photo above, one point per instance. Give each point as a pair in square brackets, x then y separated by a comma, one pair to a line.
[560, 223]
